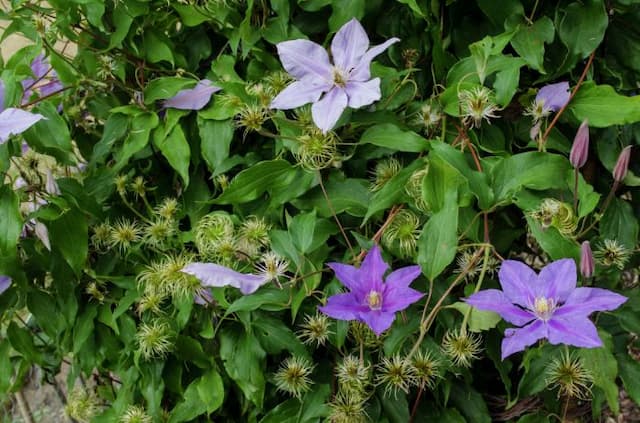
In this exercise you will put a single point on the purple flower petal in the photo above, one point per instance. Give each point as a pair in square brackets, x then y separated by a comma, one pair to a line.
[362, 72]
[343, 307]
[518, 339]
[211, 274]
[373, 265]
[203, 297]
[5, 283]
[363, 93]
[42, 233]
[50, 87]
[517, 281]
[40, 66]
[1, 95]
[402, 278]
[557, 280]
[304, 58]
[349, 45]
[378, 321]
[554, 96]
[496, 301]
[194, 98]
[299, 93]
[16, 121]
[584, 301]
[327, 111]
[399, 299]
[348, 275]
[577, 331]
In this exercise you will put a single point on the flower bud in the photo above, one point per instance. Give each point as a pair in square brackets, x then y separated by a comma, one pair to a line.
[622, 165]
[586, 260]
[580, 148]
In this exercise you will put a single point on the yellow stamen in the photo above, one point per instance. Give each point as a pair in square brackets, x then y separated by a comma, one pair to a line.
[374, 300]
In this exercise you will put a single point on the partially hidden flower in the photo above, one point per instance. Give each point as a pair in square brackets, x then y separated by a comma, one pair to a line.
[5, 283]
[371, 299]
[14, 121]
[580, 148]
[193, 98]
[622, 164]
[545, 306]
[346, 82]
[45, 79]
[553, 97]
[211, 274]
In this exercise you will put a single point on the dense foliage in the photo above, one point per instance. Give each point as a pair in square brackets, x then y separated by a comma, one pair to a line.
[141, 138]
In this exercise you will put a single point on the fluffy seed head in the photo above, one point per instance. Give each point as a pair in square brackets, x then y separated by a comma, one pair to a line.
[158, 233]
[293, 376]
[168, 208]
[461, 347]
[403, 232]
[612, 253]
[165, 277]
[569, 376]
[413, 188]
[211, 231]
[121, 184]
[124, 234]
[353, 375]
[552, 212]
[347, 408]
[155, 339]
[135, 414]
[362, 334]
[96, 290]
[101, 236]
[477, 104]
[384, 171]
[316, 150]
[428, 117]
[138, 187]
[251, 118]
[253, 235]
[427, 369]
[82, 406]
[315, 330]
[395, 374]
[272, 266]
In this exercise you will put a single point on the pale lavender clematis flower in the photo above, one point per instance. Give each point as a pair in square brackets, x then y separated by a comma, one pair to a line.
[16, 121]
[372, 300]
[346, 82]
[545, 305]
[193, 98]
[553, 97]
[5, 283]
[211, 274]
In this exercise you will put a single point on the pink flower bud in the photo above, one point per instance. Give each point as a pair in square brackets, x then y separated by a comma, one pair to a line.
[622, 165]
[586, 260]
[580, 148]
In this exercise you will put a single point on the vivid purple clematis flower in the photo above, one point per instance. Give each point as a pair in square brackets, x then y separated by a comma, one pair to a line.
[5, 283]
[211, 274]
[372, 300]
[545, 305]
[45, 79]
[346, 82]
[193, 98]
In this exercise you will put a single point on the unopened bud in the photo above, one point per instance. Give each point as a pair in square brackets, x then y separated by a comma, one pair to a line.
[622, 165]
[580, 148]
[586, 260]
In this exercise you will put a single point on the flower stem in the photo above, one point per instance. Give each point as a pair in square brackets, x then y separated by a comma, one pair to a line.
[483, 271]
[335, 217]
[575, 192]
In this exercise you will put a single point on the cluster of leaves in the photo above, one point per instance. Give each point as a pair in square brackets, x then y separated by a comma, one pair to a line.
[144, 190]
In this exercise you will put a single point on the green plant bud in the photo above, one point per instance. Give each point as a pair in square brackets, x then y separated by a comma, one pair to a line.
[96, 290]
[353, 376]
[155, 339]
[427, 369]
[253, 236]
[159, 233]
[135, 414]
[568, 375]
[100, 239]
[316, 150]
[165, 276]
[251, 118]
[384, 171]
[121, 184]
[462, 347]
[347, 408]
[315, 330]
[168, 208]
[402, 233]
[395, 374]
[211, 231]
[293, 376]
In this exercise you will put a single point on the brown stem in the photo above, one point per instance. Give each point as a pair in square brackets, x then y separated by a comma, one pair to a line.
[335, 217]
[543, 140]
[414, 409]
[392, 214]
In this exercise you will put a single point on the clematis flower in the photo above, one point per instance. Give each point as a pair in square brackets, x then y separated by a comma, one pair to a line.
[346, 82]
[545, 306]
[211, 274]
[622, 164]
[193, 98]
[549, 99]
[14, 121]
[580, 148]
[46, 79]
[5, 283]
[372, 300]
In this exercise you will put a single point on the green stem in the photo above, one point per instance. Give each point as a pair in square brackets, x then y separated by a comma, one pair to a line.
[483, 271]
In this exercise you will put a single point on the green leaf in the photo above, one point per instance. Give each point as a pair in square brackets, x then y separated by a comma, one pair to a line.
[157, 47]
[479, 320]
[166, 87]
[215, 140]
[275, 336]
[603, 366]
[529, 42]
[301, 228]
[274, 299]
[553, 242]
[390, 136]
[10, 221]
[347, 195]
[620, 222]
[535, 362]
[603, 107]
[243, 359]
[582, 27]
[43, 307]
[344, 10]
[22, 341]
[139, 132]
[70, 235]
[630, 375]
[50, 135]
[175, 148]
[533, 170]
[438, 242]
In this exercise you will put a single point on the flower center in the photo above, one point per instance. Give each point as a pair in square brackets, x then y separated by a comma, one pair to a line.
[374, 300]
[339, 78]
[544, 308]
